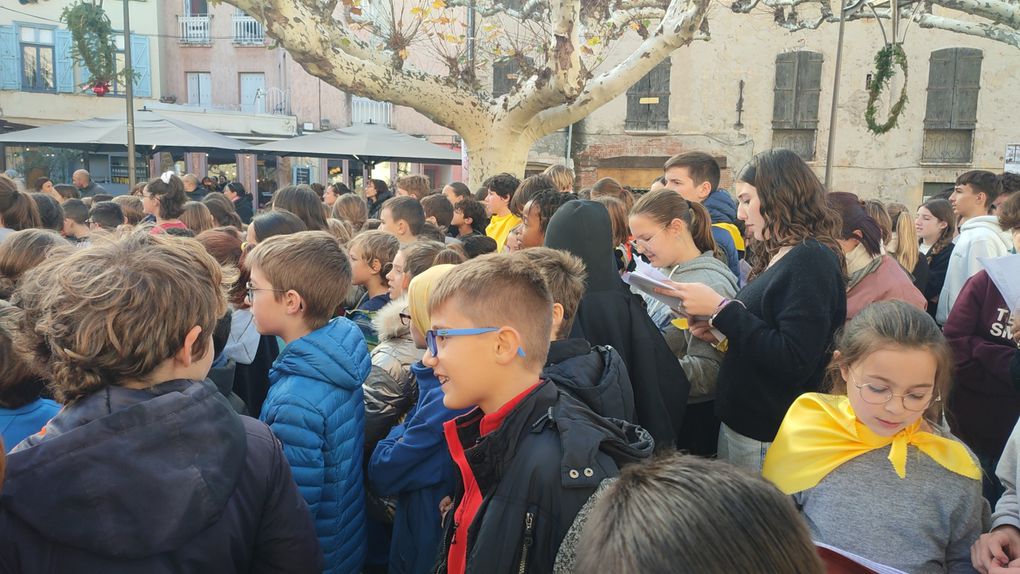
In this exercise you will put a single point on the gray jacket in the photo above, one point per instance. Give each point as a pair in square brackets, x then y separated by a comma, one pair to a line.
[1007, 510]
[699, 359]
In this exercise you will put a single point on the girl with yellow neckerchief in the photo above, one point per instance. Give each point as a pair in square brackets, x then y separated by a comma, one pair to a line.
[870, 467]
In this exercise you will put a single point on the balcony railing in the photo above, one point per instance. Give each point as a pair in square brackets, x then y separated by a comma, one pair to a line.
[194, 29]
[248, 31]
[364, 111]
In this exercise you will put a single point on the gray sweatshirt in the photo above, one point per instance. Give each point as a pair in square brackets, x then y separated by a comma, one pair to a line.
[1007, 510]
[699, 359]
[924, 523]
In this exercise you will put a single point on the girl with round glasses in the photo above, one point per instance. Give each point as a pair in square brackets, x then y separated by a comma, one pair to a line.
[872, 467]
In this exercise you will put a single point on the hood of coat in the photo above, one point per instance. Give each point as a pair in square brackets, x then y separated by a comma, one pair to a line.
[335, 354]
[704, 268]
[387, 321]
[721, 207]
[990, 223]
[583, 228]
[595, 375]
[110, 463]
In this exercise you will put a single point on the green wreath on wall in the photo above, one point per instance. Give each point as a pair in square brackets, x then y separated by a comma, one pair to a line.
[93, 44]
[891, 54]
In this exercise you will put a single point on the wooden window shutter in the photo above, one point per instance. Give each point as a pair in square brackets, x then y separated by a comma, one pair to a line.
[648, 100]
[968, 83]
[941, 81]
[785, 91]
[809, 89]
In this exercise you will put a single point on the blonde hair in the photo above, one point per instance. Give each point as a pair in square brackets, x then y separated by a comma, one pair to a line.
[197, 217]
[502, 290]
[342, 230]
[419, 292]
[418, 185]
[116, 311]
[313, 264]
[906, 251]
[562, 176]
[891, 324]
[565, 276]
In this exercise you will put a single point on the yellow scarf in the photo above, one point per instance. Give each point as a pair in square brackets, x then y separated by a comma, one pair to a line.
[821, 432]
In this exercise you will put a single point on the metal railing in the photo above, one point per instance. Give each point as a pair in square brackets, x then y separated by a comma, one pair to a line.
[364, 110]
[194, 29]
[248, 31]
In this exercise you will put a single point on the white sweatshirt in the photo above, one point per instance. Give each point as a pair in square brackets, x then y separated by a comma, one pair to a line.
[979, 237]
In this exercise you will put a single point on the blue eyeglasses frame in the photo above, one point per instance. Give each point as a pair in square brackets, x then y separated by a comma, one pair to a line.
[431, 334]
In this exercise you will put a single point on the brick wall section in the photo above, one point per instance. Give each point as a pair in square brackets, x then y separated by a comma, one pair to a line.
[602, 149]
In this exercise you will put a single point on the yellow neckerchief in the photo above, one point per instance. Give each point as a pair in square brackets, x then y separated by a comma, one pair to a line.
[820, 433]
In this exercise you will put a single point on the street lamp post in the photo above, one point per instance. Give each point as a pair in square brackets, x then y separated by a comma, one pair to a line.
[129, 92]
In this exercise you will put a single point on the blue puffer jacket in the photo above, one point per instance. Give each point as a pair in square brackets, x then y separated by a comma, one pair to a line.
[316, 408]
[414, 464]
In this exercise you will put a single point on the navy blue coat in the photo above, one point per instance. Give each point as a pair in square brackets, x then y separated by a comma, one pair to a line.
[413, 463]
[316, 408]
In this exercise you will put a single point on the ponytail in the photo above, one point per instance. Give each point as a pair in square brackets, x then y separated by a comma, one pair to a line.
[17, 210]
[664, 205]
[906, 233]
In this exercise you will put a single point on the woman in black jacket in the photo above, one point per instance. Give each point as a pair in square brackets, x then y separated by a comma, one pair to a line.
[376, 194]
[779, 328]
[936, 226]
[242, 201]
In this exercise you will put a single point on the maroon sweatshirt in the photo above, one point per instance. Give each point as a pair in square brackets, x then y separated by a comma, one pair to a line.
[983, 404]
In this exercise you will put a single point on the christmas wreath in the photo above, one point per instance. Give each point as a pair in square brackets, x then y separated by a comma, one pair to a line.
[93, 44]
[891, 54]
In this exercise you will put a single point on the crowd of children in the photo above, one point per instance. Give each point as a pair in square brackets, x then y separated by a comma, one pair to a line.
[413, 380]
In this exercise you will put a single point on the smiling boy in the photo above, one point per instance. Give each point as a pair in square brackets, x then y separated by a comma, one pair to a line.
[529, 455]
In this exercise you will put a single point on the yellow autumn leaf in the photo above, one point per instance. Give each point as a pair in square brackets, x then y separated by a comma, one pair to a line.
[439, 4]
[417, 11]
[594, 41]
[403, 53]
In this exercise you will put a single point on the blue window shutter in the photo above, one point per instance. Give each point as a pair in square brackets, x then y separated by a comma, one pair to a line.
[140, 65]
[10, 71]
[64, 63]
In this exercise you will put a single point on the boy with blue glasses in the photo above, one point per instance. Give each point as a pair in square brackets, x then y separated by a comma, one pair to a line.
[529, 455]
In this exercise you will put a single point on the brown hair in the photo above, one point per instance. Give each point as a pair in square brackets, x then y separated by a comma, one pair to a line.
[406, 209]
[351, 208]
[876, 209]
[792, 205]
[855, 219]
[419, 256]
[170, 195]
[19, 385]
[609, 187]
[700, 166]
[1009, 213]
[22, 251]
[302, 201]
[224, 244]
[561, 175]
[376, 246]
[17, 210]
[528, 189]
[518, 286]
[715, 516]
[942, 210]
[417, 185]
[123, 283]
[891, 324]
[982, 181]
[907, 252]
[664, 206]
[439, 207]
[342, 230]
[131, 205]
[223, 211]
[565, 277]
[617, 218]
[197, 217]
[313, 264]
[450, 255]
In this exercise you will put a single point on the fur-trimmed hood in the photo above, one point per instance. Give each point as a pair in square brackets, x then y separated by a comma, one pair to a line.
[387, 321]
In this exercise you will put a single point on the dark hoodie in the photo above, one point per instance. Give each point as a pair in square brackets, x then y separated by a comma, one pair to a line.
[596, 376]
[535, 472]
[610, 315]
[165, 479]
[721, 207]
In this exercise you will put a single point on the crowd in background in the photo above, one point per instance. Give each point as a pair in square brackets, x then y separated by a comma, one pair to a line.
[525, 377]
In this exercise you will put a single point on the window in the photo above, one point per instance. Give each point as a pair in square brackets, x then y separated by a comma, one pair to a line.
[196, 8]
[505, 75]
[253, 92]
[954, 78]
[37, 71]
[795, 107]
[199, 89]
[648, 101]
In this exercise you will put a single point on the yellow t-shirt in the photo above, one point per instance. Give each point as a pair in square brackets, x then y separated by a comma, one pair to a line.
[499, 228]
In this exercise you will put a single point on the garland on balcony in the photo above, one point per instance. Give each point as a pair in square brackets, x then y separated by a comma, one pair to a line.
[93, 44]
[884, 60]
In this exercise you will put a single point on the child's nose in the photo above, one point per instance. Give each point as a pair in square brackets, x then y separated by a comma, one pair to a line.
[429, 360]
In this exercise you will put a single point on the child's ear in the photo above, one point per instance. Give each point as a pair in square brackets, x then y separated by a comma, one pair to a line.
[508, 342]
[431, 219]
[293, 303]
[186, 355]
[557, 314]
[376, 265]
[469, 221]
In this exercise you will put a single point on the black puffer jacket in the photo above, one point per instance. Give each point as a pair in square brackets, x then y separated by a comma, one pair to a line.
[595, 375]
[158, 480]
[535, 473]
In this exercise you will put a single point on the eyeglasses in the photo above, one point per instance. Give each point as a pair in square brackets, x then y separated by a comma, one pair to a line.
[405, 319]
[642, 243]
[916, 402]
[252, 289]
[433, 334]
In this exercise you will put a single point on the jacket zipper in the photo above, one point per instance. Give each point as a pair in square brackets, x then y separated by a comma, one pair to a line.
[529, 525]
